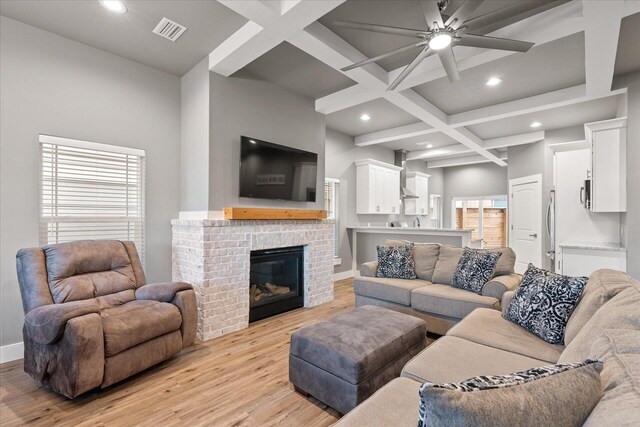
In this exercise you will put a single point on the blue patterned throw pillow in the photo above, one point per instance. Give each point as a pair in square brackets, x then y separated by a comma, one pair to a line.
[475, 269]
[544, 301]
[396, 262]
[434, 398]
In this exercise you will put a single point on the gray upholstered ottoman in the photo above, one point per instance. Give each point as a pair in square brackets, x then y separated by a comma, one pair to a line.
[344, 360]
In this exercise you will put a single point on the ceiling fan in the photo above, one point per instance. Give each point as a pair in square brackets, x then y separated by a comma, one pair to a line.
[442, 33]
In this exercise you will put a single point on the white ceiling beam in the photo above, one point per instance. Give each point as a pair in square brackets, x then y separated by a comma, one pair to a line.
[461, 161]
[602, 27]
[559, 98]
[489, 144]
[401, 132]
[323, 44]
[553, 24]
[270, 23]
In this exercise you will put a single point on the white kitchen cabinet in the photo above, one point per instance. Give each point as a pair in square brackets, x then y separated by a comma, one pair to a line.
[608, 142]
[377, 187]
[579, 260]
[418, 184]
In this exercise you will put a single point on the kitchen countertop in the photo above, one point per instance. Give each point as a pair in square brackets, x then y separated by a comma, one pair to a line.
[602, 246]
[414, 229]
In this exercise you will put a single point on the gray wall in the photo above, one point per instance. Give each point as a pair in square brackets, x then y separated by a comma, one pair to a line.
[194, 138]
[631, 219]
[55, 86]
[343, 153]
[246, 106]
[484, 179]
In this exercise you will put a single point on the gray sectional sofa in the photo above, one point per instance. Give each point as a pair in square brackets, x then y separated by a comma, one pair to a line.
[431, 296]
[605, 325]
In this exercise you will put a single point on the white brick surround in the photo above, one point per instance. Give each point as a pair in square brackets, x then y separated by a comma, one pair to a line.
[213, 255]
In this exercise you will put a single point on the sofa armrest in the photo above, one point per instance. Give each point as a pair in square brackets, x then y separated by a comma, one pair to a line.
[186, 303]
[368, 269]
[163, 292]
[506, 300]
[501, 284]
[46, 324]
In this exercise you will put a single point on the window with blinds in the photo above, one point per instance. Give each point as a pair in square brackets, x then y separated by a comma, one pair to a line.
[331, 196]
[91, 191]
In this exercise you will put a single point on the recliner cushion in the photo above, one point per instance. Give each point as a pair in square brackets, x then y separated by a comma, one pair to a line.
[449, 301]
[488, 327]
[393, 290]
[136, 322]
[88, 268]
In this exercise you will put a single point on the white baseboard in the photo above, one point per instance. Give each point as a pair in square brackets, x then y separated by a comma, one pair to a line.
[343, 275]
[11, 352]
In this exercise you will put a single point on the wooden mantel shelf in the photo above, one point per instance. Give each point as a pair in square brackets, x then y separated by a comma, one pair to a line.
[263, 213]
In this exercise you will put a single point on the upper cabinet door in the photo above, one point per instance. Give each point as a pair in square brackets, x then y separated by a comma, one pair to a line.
[608, 140]
[377, 187]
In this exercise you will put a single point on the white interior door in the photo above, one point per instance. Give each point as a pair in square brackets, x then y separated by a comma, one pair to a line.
[525, 221]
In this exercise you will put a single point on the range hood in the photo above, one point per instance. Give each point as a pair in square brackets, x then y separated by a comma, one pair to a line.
[400, 159]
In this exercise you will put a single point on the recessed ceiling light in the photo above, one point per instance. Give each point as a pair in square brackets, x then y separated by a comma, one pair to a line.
[115, 6]
[535, 124]
[365, 117]
[429, 145]
[440, 40]
[493, 81]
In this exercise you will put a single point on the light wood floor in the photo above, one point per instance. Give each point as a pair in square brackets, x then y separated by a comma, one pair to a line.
[240, 379]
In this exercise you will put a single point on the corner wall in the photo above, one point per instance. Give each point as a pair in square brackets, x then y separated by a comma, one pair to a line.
[52, 85]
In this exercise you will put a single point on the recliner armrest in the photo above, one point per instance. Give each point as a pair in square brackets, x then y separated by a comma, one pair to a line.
[46, 323]
[163, 292]
[368, 269]
[497, 286]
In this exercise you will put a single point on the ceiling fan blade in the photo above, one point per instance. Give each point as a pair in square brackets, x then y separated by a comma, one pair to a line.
[431, 13]
[462, 13]
[508, 13]
[473, 40]
[384, 55]
[449, 63]
[409, 68]
[408, 32]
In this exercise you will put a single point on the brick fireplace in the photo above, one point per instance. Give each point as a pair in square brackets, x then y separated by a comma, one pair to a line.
[214, 256]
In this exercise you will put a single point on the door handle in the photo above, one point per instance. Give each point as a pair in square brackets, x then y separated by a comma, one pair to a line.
[533, 235]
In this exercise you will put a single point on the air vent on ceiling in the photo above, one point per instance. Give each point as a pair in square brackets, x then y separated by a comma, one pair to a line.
[169, 30]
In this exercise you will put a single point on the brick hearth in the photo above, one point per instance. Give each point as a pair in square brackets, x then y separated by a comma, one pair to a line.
[213, 255]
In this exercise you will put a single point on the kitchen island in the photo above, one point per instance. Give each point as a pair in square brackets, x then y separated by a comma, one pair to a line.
[365, 239]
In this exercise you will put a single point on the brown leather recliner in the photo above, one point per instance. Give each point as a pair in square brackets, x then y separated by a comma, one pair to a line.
[90, 318]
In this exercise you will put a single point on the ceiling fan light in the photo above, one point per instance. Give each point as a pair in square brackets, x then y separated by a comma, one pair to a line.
[440, 41]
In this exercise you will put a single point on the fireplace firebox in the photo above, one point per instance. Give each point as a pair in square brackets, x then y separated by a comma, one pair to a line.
[276, 281]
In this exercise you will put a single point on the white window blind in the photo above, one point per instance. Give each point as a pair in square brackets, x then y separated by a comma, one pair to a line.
[331, 196]
[91, 191]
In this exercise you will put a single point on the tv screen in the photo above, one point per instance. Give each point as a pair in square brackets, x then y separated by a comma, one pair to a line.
[272, 171]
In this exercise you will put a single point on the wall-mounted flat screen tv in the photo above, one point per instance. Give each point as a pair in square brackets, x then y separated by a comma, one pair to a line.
[273, 171]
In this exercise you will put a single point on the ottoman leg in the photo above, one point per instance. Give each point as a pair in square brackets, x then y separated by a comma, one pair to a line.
[300, 391]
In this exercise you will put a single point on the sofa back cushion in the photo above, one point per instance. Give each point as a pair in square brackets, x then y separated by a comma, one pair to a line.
[620, 312]
[425, 256]
[602, 286]
[87, 269]
[619, 349]
[450, 256]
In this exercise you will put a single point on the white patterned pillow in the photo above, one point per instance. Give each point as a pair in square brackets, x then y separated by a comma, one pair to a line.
[440, 405]
[475, 269]
[544, 301]
[396, 262]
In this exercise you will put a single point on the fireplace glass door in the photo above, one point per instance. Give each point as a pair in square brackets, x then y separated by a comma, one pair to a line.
[276, 281]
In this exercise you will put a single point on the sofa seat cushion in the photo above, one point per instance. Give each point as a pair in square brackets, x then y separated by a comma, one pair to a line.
[394, 290]
[357, 344]
[449, 301]
[395, 404]
[136, 322]
[452, 359]
[488, 327]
